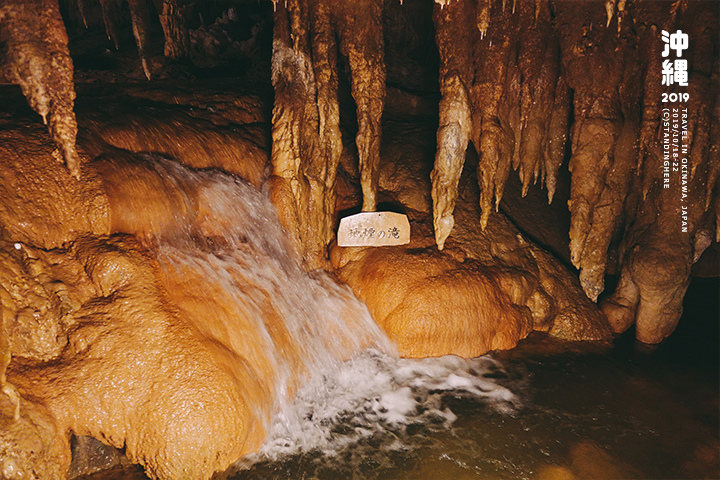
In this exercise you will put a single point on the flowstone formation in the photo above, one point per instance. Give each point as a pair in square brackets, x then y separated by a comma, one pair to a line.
[90, 341]
[156, 308]
[99, 337]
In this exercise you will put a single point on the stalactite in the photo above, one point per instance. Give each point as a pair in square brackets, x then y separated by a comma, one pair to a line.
[538, 64]
[38, 59]
[507, 63]
[603, 70]
[557, 136]
[177, 36]
[294, 131]
[454, 39]
[111, 17]
[670, 226]
[82, 8]
[609, 10]
[306, 134]
[140, 16]
[520, 111]
[483, 16]
[359, 27]
[330, 144]
[492, 135]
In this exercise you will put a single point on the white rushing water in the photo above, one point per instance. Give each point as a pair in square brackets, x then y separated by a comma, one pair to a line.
[354, 386]
[374, 393]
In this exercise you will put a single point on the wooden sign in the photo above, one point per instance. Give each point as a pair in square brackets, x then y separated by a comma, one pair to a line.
[374, 229]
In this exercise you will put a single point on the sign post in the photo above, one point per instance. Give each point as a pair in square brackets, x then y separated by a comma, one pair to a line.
[374, 229]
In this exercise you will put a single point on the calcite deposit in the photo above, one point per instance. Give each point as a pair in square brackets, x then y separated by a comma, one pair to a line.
[130, 372]
[516, 109]
[307, 143]
[522, 83]
[134, 313]
[38, 59]
[486, 290]
[170, 327]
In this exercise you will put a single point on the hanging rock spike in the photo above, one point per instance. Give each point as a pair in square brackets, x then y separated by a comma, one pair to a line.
[610, 9]
[483, 16]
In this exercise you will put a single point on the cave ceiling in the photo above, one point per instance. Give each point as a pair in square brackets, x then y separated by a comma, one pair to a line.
[528, 86]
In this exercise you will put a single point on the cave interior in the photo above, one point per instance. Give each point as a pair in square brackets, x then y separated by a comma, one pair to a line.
[553, 181]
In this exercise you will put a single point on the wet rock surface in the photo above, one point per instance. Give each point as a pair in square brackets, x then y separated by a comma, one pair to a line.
[99, 339]
[492, 282]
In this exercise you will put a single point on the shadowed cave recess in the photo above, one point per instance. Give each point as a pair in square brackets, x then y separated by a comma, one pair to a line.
[172, 176]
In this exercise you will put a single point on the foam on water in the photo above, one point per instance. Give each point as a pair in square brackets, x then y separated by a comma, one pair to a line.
[374, 394]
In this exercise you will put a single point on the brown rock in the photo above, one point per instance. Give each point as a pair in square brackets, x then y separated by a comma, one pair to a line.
[430, 304]
[138, 376]
[40, 203]
[31, 446]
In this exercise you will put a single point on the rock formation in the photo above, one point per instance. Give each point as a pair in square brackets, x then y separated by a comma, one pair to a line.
[38, 60]
[486, 290]
[504, 76]
[110, 328]
[306, 131]
[521, 81]
[174, 340]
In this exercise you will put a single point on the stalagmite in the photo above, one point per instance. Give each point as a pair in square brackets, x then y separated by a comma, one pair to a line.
[38, 59]
[140, 16]
[177, 36]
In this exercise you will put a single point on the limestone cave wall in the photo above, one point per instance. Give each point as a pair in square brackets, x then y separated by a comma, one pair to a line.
[442, 110]
[529, 86]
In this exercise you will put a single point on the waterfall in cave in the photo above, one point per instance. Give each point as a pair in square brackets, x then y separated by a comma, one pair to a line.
[332, 375]
[232, 273]
[173, 300]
